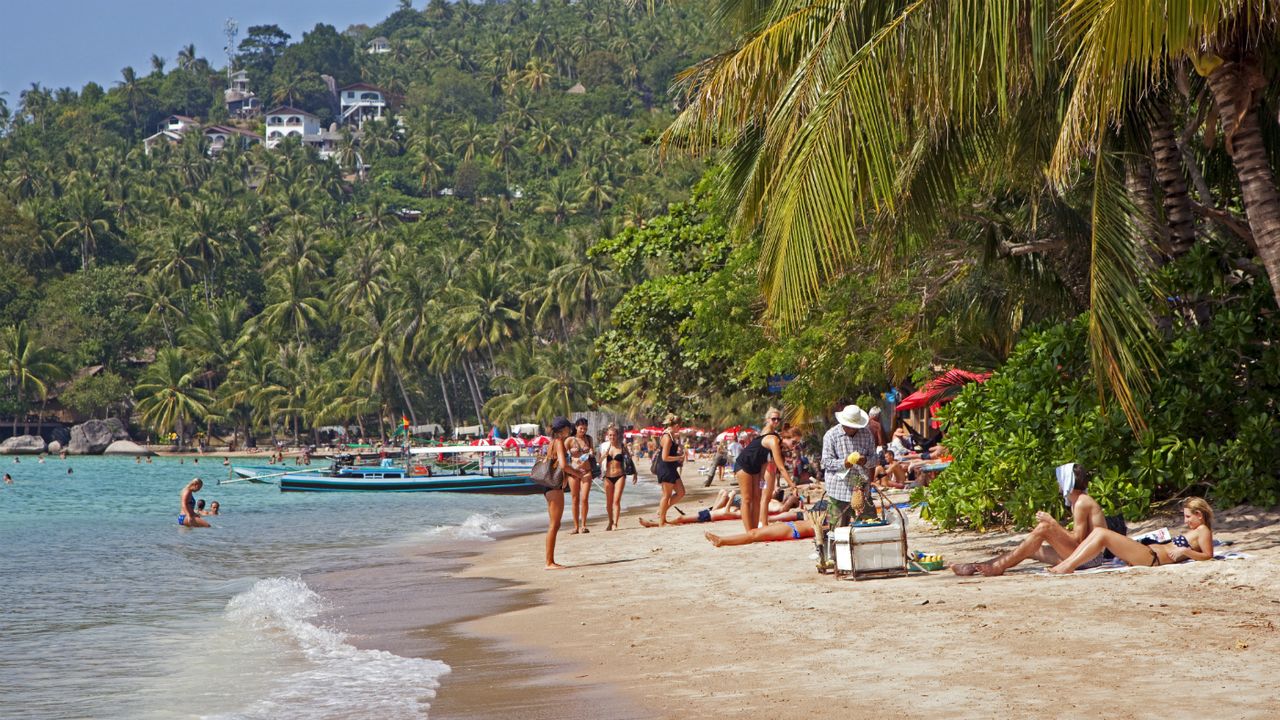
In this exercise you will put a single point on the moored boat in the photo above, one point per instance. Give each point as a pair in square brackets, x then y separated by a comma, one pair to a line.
[486, 471]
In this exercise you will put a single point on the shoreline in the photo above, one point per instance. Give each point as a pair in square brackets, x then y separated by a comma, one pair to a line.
[679, 628]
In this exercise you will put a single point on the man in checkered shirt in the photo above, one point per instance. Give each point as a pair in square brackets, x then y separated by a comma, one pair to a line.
[848, 436]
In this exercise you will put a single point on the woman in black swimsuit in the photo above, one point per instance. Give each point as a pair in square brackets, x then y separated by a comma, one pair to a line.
[750, 467]
[1195, 545]
[670, 459]
[613, 458]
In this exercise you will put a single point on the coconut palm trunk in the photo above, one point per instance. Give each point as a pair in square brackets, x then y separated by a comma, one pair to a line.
[1178, 213]
[1235, 87]
[448, 408]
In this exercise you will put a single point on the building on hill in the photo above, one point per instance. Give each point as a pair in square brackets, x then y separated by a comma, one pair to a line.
[240, 100]
[170, 131]
[577, 89]
[285, 121]
[219, 136]
[360, 102]
[379, 46]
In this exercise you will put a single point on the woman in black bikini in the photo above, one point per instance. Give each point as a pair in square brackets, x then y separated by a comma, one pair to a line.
[613, 458]
[1195, 545]
[670, 459]
[750, 466]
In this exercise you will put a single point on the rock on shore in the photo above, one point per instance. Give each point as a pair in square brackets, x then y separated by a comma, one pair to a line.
[93, 437]
[23, 445]
[55, 447]
[126, 447]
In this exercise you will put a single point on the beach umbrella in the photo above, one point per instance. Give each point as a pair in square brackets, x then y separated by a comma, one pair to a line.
[651, 431]
[941, 390]
[513, 442]
[540, 441]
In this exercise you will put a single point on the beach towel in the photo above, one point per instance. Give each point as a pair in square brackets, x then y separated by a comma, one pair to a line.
[1118, 565]
[1066, 475]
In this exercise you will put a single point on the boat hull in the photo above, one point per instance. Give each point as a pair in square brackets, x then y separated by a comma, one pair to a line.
[493, 484]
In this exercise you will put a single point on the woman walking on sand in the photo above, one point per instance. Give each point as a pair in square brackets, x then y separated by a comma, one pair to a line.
[581, 450]
[670, 458]
[750, 467]
[563, 472]
[613, 458]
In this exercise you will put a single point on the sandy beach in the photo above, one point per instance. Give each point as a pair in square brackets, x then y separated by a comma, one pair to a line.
[673, 627]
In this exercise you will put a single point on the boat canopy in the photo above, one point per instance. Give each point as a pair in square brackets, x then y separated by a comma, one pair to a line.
[463, 430]
[454, 449]
[526, 429]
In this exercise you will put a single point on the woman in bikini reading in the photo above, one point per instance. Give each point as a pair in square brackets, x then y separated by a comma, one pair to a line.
[1197, 544]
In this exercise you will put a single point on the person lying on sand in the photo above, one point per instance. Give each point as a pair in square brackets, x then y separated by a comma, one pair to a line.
[1049, 542]
[1195, 545]
[728, 506]
[786, 530]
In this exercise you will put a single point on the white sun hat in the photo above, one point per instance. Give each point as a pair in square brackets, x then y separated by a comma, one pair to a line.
[852, 416]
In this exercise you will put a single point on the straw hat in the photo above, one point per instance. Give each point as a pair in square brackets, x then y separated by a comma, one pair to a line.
[852, 416]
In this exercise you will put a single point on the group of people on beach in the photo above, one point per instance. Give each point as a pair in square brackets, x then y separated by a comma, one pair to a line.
[856, 462]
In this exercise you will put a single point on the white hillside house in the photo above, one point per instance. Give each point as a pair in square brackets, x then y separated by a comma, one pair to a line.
[379, 46]
[361, 102]
[284, 121]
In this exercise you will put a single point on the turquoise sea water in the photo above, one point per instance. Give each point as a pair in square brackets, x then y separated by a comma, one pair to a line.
[111, 610]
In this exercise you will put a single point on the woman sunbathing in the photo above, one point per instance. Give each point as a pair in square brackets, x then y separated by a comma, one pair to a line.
[728, 506]
[787, 530]
[1195, 545]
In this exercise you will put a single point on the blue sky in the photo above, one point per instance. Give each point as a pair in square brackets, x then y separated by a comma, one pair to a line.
[60, 43]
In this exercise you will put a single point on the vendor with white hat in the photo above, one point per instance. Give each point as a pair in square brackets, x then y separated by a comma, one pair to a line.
[842, 470]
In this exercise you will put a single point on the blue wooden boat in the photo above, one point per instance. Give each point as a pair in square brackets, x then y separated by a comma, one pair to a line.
[488, 473]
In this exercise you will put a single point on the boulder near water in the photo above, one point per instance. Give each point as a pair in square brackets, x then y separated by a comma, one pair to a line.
[126, 447]
[91, 438]
[118, 430]
[54, 448]
[23, 445]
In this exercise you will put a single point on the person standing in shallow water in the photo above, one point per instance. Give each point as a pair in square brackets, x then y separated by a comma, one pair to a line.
[188, 517]
[670, 461]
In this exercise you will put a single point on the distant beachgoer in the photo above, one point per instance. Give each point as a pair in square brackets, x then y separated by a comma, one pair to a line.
[841, 477]
[213, 508]
[1197, 545]
[581, 448]
[564, 472]
[7, 479]
[188, 517]
[877, 430]
[787, 530]
[195, 461]
[41, 460]
[182, 461]
[720, 461]
[749, 470]
[69, 471]
[1049, 542]
[613, 458]
[62, 455]
[16, 461]
[200, 506]
[670, 460]
[148, 459]
[226, 462]
[137, 459]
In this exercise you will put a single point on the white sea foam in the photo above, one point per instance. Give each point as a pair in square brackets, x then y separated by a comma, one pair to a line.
[480, 526]
[335, 678]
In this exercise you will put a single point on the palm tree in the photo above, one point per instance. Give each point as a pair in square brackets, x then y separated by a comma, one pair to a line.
[131, 88]
[560, 201]
[28, 365]
[87, 223]
[296, 310]
[168, 396]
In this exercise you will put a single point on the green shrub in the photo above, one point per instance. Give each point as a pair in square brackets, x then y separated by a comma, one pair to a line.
[1211, 415]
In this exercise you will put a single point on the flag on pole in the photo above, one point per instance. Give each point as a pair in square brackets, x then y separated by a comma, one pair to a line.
[404, 422]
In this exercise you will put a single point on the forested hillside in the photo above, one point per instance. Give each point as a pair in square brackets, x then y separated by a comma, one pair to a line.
[436, 266]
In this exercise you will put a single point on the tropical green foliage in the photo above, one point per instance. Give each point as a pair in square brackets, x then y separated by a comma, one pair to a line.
[1211, 425]
[427, 270]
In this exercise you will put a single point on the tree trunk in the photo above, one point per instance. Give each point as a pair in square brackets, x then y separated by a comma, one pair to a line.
[1140, 189]
[400, 381]
[448, 409]
[474, 386]
[1234, 86]
[1179, 216]
[182, 435]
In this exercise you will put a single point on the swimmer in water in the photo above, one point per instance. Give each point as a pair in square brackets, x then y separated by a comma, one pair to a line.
[187, 500]
[8, 480]
[69, 471]
[213, 508]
